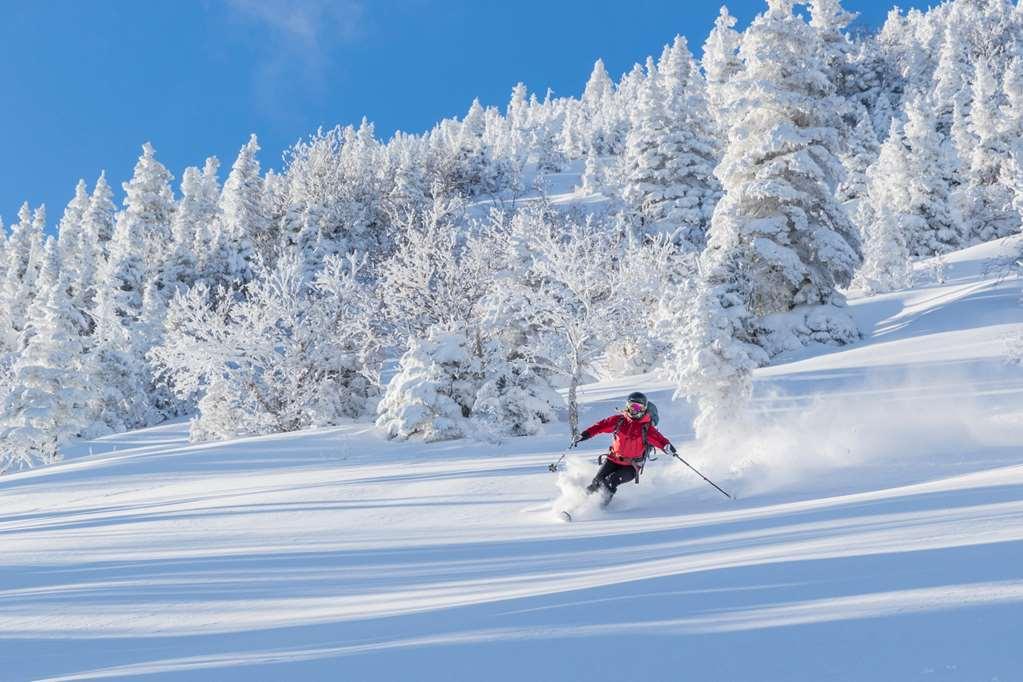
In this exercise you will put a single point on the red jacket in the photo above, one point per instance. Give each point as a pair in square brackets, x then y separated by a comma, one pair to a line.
[628, 439]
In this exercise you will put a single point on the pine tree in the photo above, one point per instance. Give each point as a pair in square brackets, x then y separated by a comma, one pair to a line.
[936, 229]
[98, 222]
[984, 201]
[862, 150]
[69, 231]
[410, 190]
[48, 403]
[886, 216]
[670, 152]
[149, 211]
[778, 239]
[196, 210]
[206, 221]
[780, 171]
[721, 63]
[120, 373]
[24, 259]
[951, 87]
[435, 388]
[829, 19]
[545, 136]
[242, 220]
[513, 399]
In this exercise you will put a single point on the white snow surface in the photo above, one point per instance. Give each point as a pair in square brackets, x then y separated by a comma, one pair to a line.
[877, 534]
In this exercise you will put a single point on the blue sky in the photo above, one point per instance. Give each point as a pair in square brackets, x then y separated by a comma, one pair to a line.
[86, 83]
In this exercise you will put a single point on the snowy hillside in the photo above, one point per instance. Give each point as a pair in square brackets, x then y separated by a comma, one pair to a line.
[877, 534]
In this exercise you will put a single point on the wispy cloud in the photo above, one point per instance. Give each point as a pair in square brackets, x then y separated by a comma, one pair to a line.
[296, 44]
[306, 25]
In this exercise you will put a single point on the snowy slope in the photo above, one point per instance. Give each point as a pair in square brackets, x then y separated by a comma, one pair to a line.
[877, 535]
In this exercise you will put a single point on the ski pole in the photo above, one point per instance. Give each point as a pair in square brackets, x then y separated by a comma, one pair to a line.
[554, 466]
[676, 455]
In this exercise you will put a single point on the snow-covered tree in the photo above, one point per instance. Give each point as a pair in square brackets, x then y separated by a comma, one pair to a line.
[23, 261]
[97, 229]
[545, 129]
[196, 212]
[121, 374]
[886, 217]
[720, 64]
[952, 77]
[242, 225]
[148, 212]
[714, 350]
[936, 228]
[514, 398]
[778, 238]
[428, 280]
[830, 20]
[653, 272]
[292, 353]
[47, 402]
[779, 216]
[433, 393]
[670, 150]
[565, 300]
[69, 231]
[985, 202]
[861, 151]
[410, 191]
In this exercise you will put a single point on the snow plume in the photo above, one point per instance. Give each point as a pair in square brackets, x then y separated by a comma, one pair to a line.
[576, 474]
[868, 436]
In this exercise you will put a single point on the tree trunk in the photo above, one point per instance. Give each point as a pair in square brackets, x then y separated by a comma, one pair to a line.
[573, 406]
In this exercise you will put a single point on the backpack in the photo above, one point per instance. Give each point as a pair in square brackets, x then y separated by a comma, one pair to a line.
[640, 462]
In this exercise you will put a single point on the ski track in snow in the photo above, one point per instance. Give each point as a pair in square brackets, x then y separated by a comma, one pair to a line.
[877, 535]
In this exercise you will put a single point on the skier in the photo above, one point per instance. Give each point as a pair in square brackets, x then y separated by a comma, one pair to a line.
[634, 436]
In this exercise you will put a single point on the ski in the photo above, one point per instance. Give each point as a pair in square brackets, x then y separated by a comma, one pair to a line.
[564, 515]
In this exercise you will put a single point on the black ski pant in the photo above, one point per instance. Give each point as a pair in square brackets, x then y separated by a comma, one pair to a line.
[609, 477]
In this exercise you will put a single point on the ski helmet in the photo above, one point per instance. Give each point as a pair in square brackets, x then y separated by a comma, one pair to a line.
[637, 397]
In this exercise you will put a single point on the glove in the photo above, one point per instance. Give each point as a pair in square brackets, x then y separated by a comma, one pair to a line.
[670, 449]
[582, 436]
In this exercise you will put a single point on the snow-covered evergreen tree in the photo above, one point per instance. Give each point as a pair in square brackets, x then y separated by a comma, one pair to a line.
[23, 261]
[121, 374]
[69, 231]
[434, 391]
[97, 228]
[952, 77]
[778, 238]
[514, 398]
[670, 150]
[984, 201]
[148, 212]
[936, 228]
[830, 20]
[243, 225]
[205, 221]
[720, 64]
[714, 351]
[47, 403]
[886, 217]
[861, 151]
[196, 212]
[779, 218]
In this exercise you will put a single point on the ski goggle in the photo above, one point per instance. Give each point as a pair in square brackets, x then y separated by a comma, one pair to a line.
[636, 408]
